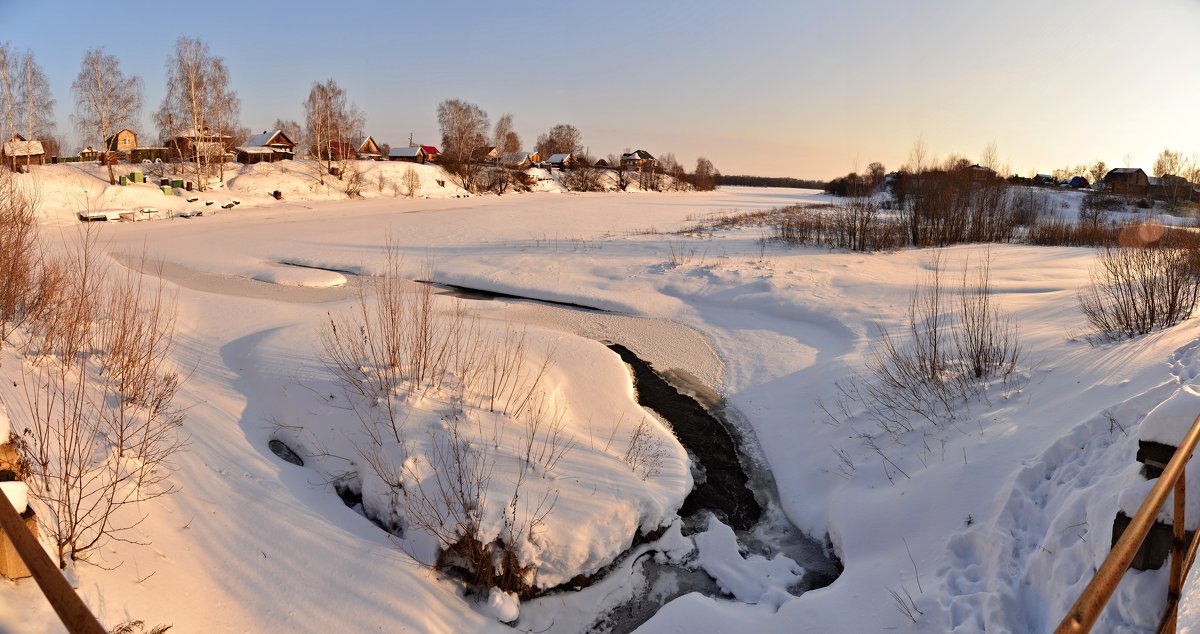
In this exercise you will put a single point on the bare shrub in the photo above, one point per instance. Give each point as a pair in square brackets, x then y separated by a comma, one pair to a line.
[986, 340]
[410, 183]
[101, 427]
[644, 453]
[853, 222]
[20, 253]
[992, 217]
[946, 354]
[353, 180]
[1098, 206]
[584, 178]
[139, 627]
[68, 300]
[1136, 289]
[395, 345]
[451, 504]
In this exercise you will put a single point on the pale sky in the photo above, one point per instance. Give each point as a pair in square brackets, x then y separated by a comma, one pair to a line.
[786, 88]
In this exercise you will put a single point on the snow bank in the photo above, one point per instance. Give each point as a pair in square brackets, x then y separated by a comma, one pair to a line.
[753, 579]
[995, 522]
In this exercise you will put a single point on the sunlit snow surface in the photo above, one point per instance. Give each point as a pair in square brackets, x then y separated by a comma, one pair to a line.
[994, 523]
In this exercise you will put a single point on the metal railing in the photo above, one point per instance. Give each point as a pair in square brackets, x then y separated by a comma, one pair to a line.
[69, 607]
[1095, 596]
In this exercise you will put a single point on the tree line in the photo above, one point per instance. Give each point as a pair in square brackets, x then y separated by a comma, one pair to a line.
[202, 105]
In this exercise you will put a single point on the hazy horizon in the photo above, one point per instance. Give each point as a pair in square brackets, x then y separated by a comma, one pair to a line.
[799, 89]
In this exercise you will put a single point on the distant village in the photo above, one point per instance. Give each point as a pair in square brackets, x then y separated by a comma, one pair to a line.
[271, 146]
[1176, 183]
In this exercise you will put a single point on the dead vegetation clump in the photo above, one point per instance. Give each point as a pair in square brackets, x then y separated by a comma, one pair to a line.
[948, 351]
[396, 347]
[1148, 279]
[100, 428]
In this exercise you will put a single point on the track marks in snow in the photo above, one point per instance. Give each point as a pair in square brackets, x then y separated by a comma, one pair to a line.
[1023, 570]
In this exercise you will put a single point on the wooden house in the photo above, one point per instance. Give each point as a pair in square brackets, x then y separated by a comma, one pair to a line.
[1129, 181]
[639, 159]
[562, 161]
[340, 151]
[124, 142]
[1079, 182]
[414, 154]
[521, 160]
[601, 163]
[981, 173]
[1171, 188]
[279, 146]
[204, 145]
[431, 153]
[367, 150]
[487, 155]
[18, 151]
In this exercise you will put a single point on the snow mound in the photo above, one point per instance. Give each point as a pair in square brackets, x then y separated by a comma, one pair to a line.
[288, 275]
[753, 579]
[505, 606]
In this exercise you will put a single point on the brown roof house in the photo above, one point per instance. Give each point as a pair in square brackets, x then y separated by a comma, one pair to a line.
[562, 161]
[206, 145]
[267, 147]
[1129, 181]
[521, 160]
[124, 142]
[982, 173]
[367, 149]
[18, 151]
[415, 154]
[638, 159]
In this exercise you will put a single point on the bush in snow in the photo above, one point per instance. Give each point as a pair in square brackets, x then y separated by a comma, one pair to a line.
[1138, 288]
[394, 349]
[19, 253]
[101, 429]
[947, 352]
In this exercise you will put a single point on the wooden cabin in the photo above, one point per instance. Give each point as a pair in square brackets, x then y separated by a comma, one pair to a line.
[205, 145]
[561, 161]
[414, 154]
[18, 151]
[367, 150]
[281, 147]
[639, 159]
[123, 142]
[1129, 181]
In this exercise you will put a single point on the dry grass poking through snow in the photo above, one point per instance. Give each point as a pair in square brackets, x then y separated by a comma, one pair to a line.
[946, 353]
[394, 349]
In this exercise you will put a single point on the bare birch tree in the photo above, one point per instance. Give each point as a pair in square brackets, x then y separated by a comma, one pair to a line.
[329, 119]
[34, 102]
[106, 99]
[226, 107]
[199, 103]
[464, 128]
[505, 137]
[7, 73]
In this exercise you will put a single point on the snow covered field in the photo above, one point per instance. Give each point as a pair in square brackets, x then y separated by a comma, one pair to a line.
[995, 522]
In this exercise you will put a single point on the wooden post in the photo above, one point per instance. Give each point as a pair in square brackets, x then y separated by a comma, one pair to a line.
[71, 610]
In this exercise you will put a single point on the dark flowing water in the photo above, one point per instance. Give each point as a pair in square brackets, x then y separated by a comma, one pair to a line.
[723, 488]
